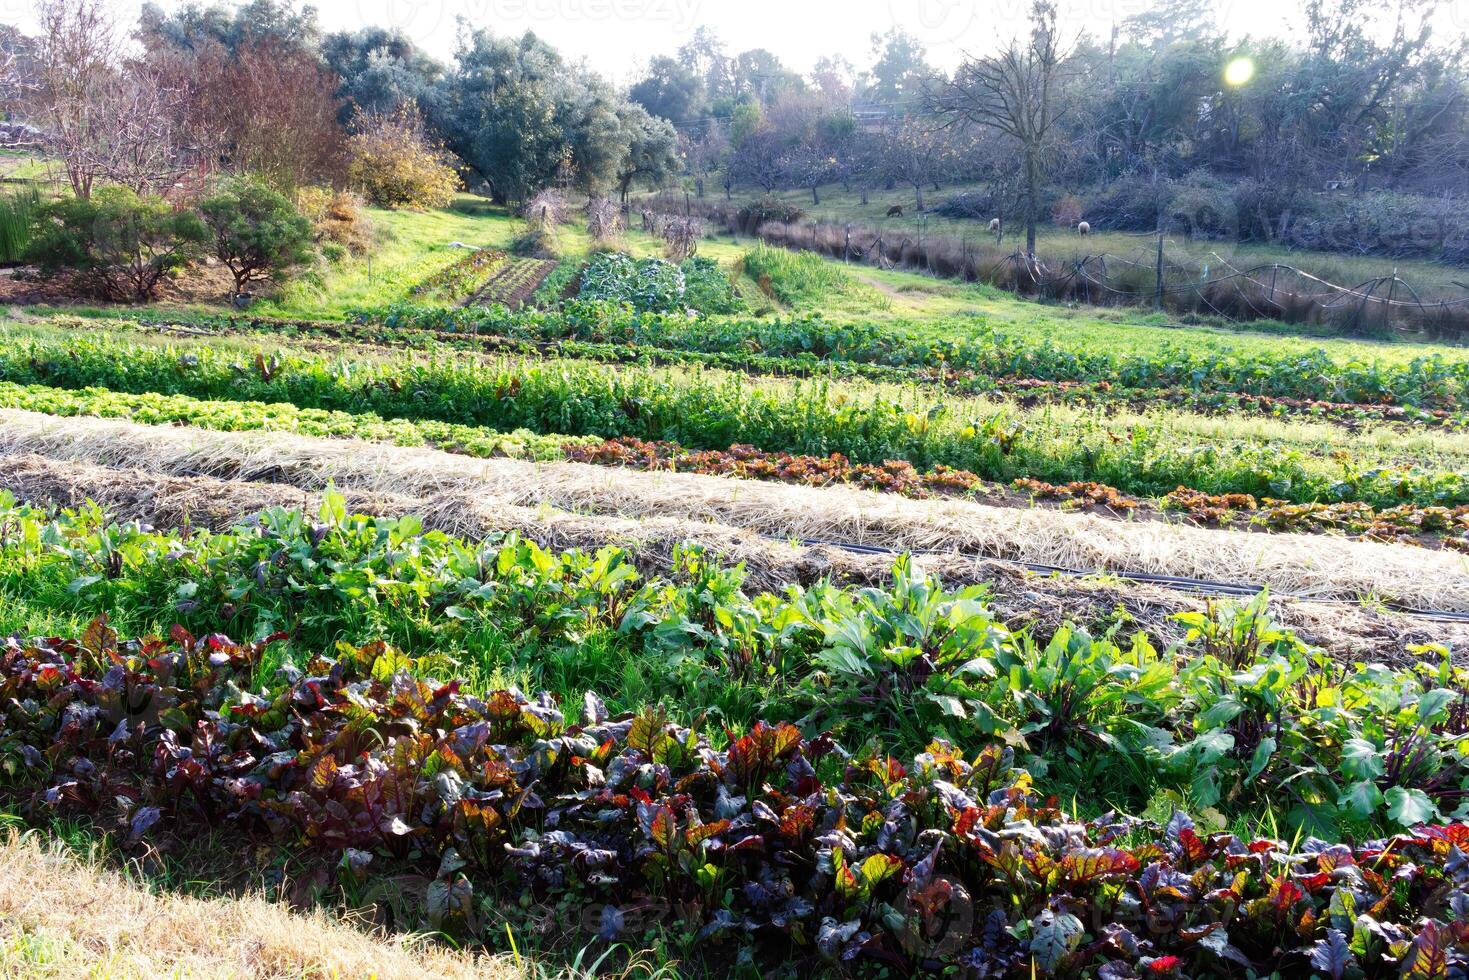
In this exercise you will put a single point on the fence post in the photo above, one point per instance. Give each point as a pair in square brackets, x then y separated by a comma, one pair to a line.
[1392, 288]
[847, 247]
[1158, 295]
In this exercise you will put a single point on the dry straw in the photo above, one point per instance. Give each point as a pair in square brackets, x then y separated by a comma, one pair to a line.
[1042, 602]
[1314, 566]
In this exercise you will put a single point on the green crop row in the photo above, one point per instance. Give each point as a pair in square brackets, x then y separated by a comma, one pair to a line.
[807, 365]
[1242, 714]
[1145, 456]
[761, 847]
[708, 410]
[150, 408]
[1429, 382]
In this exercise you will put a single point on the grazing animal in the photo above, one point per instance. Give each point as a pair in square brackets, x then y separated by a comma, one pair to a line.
[896, 211]
[995, 225]
[1084, 229]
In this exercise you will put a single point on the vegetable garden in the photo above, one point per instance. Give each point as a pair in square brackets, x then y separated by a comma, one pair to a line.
[622, 607]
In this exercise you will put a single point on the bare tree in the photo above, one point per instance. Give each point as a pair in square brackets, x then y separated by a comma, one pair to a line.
[1015, 93]
[75, 60]
[915, 153]
[137, 135]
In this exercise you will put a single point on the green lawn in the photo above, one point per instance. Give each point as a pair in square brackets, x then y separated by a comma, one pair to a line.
[409, 246]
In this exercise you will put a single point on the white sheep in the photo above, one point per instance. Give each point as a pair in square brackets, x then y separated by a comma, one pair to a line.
[995, 226]
[1084, 229]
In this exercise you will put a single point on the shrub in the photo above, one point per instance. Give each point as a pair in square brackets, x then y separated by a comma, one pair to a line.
[122, 245]
[258, 233]
[396, 165]
[1068, 210]
[757, 213]
[1129, 204]
[335, 216]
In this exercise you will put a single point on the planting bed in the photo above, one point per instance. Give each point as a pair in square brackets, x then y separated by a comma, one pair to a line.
[1066, 736]
[513, 283]
[1316, 566]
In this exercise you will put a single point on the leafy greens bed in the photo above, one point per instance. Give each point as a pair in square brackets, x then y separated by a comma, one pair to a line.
[1242, 715]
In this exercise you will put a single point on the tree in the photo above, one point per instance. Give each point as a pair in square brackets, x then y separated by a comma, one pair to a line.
[760, 159]
[123, 245]
[1014, 93]
[652, 150]
[278, 109]
[915, 152]
[258, 233]
[74, 61]
[259, 21]
[395, 163]
[380, 71]
[670, 90]
[502, 113]
[900, 70]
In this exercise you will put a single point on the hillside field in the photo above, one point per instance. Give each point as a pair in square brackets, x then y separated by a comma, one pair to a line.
[835, 579]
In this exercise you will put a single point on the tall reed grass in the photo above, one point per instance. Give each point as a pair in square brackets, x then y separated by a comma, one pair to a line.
[17, 219]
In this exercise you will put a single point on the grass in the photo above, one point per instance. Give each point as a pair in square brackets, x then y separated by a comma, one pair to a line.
[409, 247]
[840, 206]
[413, 245]
[64, 914]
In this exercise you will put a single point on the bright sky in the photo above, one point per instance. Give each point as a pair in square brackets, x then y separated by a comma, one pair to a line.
[618, 36]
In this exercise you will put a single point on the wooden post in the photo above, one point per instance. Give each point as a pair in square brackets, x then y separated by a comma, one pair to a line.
[1391, 289]
[1158, 294]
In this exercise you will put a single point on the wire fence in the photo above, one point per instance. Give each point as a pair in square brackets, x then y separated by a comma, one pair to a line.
[1211, 285]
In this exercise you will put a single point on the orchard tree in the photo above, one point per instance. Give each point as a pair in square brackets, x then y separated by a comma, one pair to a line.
[651, 153]
[670, 90]
[379, 71]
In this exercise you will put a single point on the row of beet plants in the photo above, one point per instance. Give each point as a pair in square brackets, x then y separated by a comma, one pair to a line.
[1243, 715]
[715, 411]
[770, 848]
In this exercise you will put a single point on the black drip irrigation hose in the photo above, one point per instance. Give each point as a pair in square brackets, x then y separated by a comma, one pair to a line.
[1200, 586]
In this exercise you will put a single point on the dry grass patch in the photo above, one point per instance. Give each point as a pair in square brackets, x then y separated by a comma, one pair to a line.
[63, 917]
[1314, 566]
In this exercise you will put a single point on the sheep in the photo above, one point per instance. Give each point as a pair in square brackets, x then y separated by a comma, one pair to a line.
[995, 226]
[896, 211]
[1084, 229]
